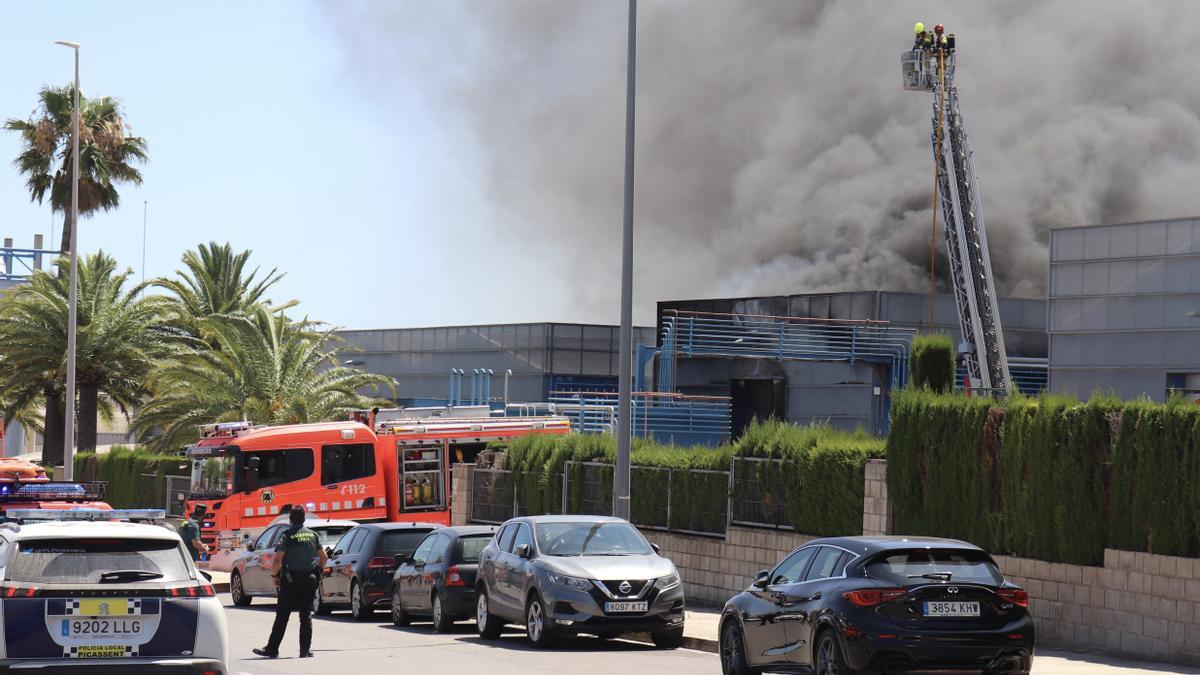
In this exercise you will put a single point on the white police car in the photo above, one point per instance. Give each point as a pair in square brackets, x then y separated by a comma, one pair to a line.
[83, 595]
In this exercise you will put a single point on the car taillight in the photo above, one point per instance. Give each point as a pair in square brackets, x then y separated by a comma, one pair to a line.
[869, 597]
[202, 591]
[1017, 596]
[381, 563]
[15, 592]
[453, 578]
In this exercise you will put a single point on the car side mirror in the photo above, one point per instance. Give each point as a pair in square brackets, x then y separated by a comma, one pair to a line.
[761, 579]
[522, 551]
[657, 549]
[249, 546]
[337, 552]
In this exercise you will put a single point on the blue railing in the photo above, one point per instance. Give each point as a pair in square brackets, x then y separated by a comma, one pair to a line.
[692, 334]
[667, 418]
[1030, 374]
[18, 264]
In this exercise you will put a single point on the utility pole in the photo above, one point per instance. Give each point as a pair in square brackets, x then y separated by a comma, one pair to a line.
[621, 478]
[72, 311]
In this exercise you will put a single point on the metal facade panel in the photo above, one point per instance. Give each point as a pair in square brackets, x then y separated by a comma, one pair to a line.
[1066, 279]
[1066, 244]
[1122, 276]
[1123, 241]
[1179, 237]
[1096, 243]
[1152, 239]
[1095, 278]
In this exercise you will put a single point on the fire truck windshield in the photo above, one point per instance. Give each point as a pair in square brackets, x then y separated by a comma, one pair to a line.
[212, 471]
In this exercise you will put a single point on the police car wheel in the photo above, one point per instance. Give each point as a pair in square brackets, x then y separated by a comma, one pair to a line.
[399, 616]
[359, 609]
[238, 592]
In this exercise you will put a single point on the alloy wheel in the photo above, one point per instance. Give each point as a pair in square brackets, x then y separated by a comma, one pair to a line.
[437, 611]
[827, 659]
[731, 649]
[356, 600]
[534, 621]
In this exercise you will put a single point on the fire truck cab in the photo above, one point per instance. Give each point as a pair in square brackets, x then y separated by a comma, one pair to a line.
[393, 470]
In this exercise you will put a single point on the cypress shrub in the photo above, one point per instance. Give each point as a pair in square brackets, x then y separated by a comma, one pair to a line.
[820, 475]
[123, 469]
[940, 476]
[932, 363]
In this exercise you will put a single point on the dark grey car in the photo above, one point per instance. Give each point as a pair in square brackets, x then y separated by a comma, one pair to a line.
[563, 575]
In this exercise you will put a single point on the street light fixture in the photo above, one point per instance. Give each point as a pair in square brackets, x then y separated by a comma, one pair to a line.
[72, 311]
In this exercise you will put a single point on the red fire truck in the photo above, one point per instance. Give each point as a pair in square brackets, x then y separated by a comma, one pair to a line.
[392, 470]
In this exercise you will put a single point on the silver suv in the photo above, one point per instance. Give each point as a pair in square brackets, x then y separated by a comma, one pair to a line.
[562, 575]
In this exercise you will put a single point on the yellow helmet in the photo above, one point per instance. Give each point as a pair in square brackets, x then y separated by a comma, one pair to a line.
[919, 28]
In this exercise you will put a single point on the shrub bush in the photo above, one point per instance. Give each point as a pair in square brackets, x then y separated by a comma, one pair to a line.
[124, 469]
[819, 475]
[1047, 478]
[931, 362]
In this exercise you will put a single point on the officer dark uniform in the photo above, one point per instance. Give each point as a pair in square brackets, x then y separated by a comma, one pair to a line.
[298, 562]
[189, 531]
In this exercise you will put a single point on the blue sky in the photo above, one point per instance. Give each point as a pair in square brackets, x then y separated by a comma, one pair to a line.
[257, 137]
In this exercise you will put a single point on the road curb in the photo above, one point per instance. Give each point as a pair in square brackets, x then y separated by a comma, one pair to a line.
[699, 644]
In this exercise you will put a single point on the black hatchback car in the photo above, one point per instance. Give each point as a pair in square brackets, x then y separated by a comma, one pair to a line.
[359, 572]
[879, 604]
[438, 580]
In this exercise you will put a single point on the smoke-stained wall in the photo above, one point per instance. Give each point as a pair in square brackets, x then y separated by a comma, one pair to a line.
[776, 150]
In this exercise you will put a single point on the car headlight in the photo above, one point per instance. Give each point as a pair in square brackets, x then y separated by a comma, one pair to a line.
[667, 582]
[574, 583]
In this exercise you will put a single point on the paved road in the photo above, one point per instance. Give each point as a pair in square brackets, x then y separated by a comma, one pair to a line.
[343, 645]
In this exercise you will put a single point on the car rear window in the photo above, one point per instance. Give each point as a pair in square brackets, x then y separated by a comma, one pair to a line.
[326, 536]
[401, 541]
[472, 546]
[905, 568]
[82, 561]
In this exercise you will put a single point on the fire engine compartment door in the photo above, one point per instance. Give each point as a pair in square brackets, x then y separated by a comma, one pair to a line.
[422, 477]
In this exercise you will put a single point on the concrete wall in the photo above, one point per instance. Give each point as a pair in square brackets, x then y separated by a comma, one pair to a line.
[1120, 298]
[877, 508]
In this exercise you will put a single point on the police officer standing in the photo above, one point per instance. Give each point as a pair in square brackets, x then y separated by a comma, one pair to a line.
[298, 562]
[189, 531]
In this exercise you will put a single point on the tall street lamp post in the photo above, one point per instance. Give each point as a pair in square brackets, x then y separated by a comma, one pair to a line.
[72, 311]
[625, 379]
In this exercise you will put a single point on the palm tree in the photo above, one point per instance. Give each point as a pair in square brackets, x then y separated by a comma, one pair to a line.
[119, 339]
[216, 282]
[106, 153]
[266, 368]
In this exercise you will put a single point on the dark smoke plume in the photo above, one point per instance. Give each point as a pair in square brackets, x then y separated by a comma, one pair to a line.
[776, 150]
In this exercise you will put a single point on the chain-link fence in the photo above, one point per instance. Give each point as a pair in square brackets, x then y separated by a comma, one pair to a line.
[758, 490]
[493, 499]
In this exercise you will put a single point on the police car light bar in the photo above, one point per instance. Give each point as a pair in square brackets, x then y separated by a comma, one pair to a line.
[64, 491]
[224, 428]
[87, 514]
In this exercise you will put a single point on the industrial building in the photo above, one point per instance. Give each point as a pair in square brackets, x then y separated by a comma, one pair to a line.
[833, 358]
[1125, 309]
[524, 362]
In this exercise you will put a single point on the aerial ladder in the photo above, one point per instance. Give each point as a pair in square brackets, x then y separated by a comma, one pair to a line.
[929, 67]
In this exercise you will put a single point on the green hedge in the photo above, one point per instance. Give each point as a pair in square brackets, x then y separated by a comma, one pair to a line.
[820, 476]
[1048, 478]
[123, 468]
[932, 363]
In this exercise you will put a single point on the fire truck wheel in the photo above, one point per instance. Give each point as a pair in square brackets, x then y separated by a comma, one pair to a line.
[359, 608]
[319, 607]
[237, 592]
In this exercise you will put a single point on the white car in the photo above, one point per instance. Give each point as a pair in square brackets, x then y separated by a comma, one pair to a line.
[105, 597]
[250, 574]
